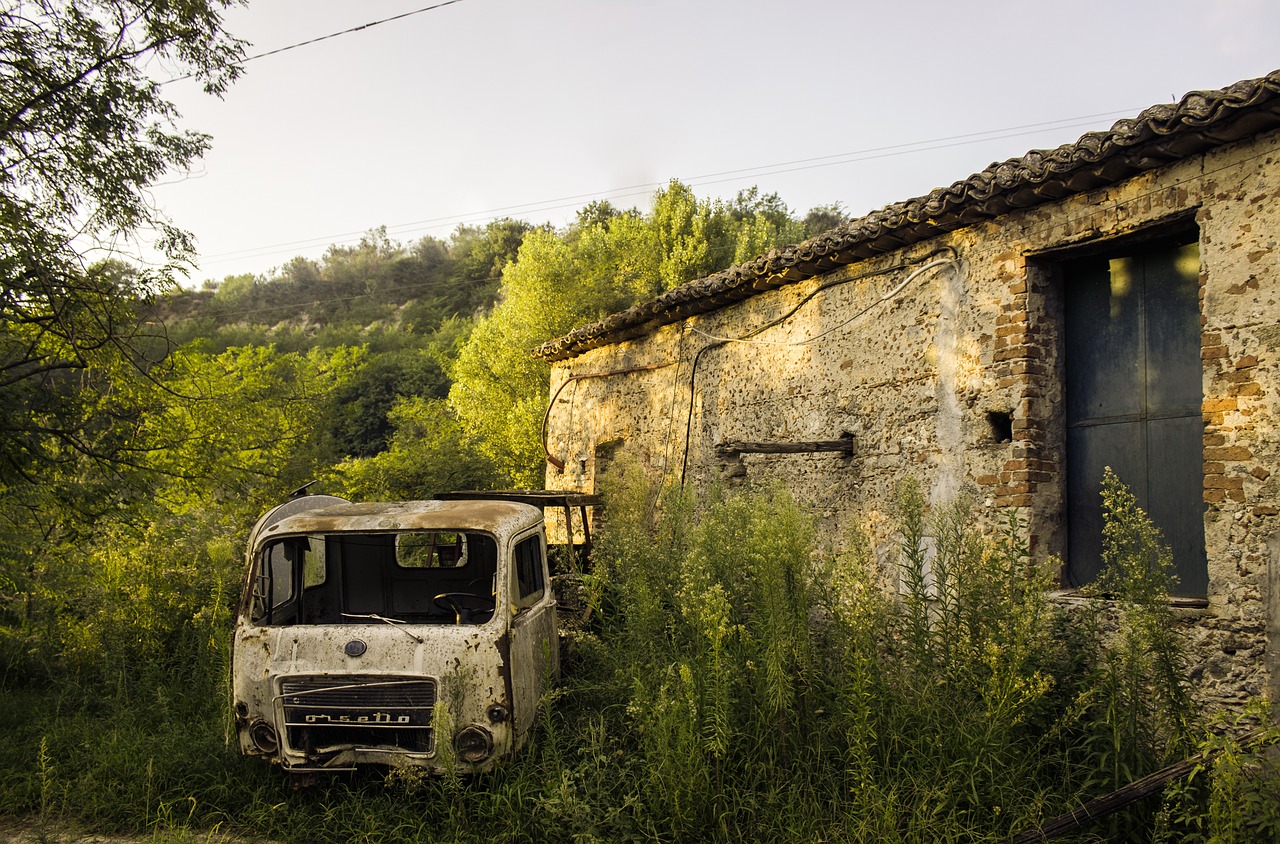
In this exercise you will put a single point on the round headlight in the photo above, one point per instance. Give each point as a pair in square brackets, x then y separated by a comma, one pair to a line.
[264, 736]
[473, 743]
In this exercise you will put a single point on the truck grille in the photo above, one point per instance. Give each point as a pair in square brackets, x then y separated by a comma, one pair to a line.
[384, 713]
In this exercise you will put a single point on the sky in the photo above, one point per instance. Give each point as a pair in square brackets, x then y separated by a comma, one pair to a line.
[532, 108]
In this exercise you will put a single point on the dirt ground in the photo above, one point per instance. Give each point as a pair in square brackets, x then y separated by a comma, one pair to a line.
[30, 831]
[22, 831]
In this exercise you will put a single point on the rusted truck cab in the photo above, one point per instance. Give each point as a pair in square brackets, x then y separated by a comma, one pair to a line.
[419, 633]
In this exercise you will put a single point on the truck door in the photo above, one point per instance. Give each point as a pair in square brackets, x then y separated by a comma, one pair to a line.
[534, 647]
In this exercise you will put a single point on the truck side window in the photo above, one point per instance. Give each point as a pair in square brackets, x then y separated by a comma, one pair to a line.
[274, 585]
[529, 577]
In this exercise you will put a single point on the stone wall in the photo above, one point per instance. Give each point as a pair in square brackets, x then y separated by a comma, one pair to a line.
[943, 362]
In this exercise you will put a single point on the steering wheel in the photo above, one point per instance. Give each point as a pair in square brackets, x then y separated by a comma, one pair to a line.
[467, 607]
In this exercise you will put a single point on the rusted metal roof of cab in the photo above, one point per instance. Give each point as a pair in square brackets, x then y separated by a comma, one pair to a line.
[1158, 136]
[497, 517]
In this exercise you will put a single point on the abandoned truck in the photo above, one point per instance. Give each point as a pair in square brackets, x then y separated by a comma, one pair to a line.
[419, 633]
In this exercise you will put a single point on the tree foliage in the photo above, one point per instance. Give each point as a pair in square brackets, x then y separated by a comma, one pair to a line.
[428, 453]
[84, 131]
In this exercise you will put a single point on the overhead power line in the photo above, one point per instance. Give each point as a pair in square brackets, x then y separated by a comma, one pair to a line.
[320, 38]
[362, 26]
[559, 203]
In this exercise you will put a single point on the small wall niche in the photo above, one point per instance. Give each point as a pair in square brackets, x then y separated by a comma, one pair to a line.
[1000, 423]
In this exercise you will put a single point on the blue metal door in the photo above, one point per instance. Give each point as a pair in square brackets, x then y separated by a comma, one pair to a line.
[1133, 402]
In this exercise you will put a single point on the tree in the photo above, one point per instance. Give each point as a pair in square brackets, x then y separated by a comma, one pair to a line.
[84, 132]
[361, 426]
[823, 218]
[242, 425]
[481, 255]
[429, 453]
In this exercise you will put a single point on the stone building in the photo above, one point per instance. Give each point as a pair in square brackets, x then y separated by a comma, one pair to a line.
[1111, 302]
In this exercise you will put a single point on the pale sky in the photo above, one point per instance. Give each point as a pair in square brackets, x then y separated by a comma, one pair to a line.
[531, 108]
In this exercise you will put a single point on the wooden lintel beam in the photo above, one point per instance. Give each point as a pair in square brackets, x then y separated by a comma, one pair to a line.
[733, 448]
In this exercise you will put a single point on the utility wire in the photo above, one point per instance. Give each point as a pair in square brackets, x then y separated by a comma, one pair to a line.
[636, 190]
[362, 26]
[558, 203]
[320, 38]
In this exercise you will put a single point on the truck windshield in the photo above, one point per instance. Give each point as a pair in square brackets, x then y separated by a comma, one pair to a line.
[418, 577]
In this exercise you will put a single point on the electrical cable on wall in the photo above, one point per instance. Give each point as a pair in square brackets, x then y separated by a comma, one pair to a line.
[931, 262]
[573, 379]
[914, 275]
[718, 342]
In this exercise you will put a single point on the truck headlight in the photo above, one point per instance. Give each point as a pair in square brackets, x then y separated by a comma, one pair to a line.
[264, 737]
[473, 743]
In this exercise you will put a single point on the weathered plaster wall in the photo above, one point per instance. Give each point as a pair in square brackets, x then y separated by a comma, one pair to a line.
[929, 380]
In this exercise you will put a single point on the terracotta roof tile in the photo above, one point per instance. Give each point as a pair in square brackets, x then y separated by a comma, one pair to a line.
[1159, 135]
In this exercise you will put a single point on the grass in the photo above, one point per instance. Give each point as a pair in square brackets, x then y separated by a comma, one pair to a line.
[737, 684]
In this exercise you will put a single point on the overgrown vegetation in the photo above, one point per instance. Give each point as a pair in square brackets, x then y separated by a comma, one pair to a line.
[383, 370]
[737, 682]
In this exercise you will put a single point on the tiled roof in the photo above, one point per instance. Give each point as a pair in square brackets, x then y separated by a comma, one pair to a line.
[1158, 136]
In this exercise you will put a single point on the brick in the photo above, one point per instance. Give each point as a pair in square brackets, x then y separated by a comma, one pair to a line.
[1259, 473]
[1231, 452]
[1250, 389]
[1236, 376]
[1223, 482]
[1214, 468]
[1214, 496]
[1214, 439]
[1213, 352]
[1216, 405]
[1266, 510]
[1247, 362]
